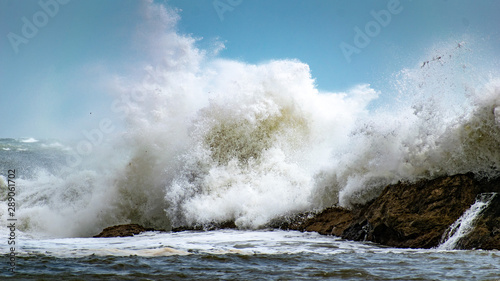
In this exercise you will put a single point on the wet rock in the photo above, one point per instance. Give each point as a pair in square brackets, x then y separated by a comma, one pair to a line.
[415, 215]
[291, 221]
[331, 221]
[207, 227]
[123, 230]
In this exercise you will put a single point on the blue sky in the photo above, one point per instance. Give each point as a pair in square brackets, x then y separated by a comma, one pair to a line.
[50, 83]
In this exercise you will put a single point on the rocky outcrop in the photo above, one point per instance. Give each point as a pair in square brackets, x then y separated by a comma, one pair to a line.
[207, 227]
[123, 230]
[415, 215]
[331, 221]
[133, 229]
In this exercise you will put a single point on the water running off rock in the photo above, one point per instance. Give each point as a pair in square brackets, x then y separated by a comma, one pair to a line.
[465, 224]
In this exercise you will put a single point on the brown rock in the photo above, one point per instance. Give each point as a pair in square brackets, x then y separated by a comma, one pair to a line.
[122, 230]
[331, 221]
[207, 227]
[410, 215]
[417, 215]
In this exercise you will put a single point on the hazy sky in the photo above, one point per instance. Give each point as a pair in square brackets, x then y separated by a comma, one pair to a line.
[53, 52]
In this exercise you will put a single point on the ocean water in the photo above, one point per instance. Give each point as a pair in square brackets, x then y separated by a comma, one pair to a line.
[241, 255]
[194, 139]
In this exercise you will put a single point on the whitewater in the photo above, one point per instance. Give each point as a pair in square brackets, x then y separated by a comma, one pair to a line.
[194, 140]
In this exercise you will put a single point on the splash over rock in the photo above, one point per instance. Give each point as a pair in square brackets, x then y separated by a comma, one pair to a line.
[122, 230]
[330, 221]
[415, 215]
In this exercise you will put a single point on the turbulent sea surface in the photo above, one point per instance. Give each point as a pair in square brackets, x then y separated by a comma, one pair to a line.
[242, 255]
[193, 139]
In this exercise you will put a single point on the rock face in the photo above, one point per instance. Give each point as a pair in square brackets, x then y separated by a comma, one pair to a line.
[415, 215]
[207, 227]
[122, 230]
[331, 221]
[133, 229]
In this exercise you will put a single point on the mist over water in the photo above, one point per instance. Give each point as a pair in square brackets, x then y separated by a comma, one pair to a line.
[209, 140]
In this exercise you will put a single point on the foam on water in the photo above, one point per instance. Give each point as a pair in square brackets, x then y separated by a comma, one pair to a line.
[262, 242]
[237, 254]
[29, 140]
[210, 140]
